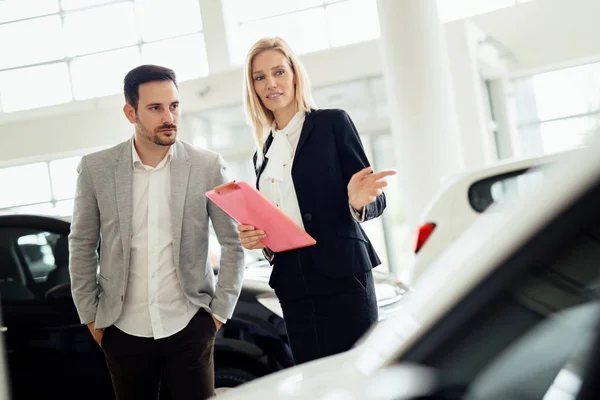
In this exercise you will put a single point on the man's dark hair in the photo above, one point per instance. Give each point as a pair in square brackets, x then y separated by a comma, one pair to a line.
[141, 75]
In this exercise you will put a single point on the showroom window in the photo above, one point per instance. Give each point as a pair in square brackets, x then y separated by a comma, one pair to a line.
[64, 51]
[557, 110]
[46, 188]
[307, 25]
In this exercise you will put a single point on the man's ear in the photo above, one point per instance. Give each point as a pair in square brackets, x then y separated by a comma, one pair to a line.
[129, 112]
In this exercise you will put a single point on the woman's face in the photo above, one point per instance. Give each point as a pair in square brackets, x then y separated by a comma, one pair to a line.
[274, 80]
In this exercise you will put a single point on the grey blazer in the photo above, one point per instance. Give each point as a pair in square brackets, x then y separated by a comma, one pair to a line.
[103, 212]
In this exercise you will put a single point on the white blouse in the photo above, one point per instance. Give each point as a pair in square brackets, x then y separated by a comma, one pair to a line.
[276, 181]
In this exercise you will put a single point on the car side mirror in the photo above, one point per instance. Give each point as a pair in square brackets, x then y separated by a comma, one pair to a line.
[59, 297]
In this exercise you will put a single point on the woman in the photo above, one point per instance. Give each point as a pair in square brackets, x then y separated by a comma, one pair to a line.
[312, 165]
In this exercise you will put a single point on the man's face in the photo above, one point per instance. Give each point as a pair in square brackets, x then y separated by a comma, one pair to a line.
[157, 113]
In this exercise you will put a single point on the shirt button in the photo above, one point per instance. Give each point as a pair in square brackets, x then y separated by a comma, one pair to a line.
[272, 180]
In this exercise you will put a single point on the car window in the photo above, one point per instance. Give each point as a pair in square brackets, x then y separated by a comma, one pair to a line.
[504, 187]
[31, 262]
[37, 254]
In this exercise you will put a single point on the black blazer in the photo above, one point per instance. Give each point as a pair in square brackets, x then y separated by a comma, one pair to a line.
[329, 152]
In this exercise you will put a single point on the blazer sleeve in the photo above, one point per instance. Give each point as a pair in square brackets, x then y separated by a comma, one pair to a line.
[83, 245]
[231, 272]
[353, 158]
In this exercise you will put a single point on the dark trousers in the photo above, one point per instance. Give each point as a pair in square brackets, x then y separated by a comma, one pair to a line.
[323, 315]
[182, 362]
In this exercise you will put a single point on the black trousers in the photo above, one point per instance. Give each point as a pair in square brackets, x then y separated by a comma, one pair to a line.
[323, 315]
[182, 362]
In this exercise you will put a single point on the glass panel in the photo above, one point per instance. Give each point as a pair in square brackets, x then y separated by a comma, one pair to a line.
[63, 174]
[64, 208]
[178, 18]
[185, 55]
[102, 74]
[26, 88]
[86, 31]
[397, 230]
[25, 46]
[76, 4]
[352, 22]
[568, 91]
[245, 11]
[374, 227]
[568, 133]
[11, 10]
[457, 9]
[28, 184]
[304, 31]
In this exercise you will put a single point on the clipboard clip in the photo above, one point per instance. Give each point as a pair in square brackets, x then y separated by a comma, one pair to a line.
[226, 187]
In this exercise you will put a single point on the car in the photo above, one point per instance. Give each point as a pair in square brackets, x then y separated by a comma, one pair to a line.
[510, 310]
[464, 197]
[46, 344]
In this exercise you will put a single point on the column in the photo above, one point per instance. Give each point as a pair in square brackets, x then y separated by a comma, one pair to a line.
[420, 101]
[215, 35]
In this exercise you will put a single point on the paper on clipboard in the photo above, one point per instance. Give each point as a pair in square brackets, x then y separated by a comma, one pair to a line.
[248, 206]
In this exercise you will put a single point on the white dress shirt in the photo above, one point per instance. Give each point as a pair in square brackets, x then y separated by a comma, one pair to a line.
[154, 305]
[276, 181]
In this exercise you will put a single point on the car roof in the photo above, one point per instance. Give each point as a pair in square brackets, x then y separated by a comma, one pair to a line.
[509, 165]
[498, 233]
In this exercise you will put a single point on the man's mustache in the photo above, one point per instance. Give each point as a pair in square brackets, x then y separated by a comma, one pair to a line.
[166, 127]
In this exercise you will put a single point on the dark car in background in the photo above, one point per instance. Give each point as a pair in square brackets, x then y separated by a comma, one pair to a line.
[51, 354]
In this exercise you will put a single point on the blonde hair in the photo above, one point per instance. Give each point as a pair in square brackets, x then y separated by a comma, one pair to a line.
[259, 116]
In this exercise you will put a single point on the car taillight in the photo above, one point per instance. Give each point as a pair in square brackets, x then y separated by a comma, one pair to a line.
[422, 235]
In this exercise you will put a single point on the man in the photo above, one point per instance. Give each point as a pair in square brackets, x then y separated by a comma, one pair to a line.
[153, 306]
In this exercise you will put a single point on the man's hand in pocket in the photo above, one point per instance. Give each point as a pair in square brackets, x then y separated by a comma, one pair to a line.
[96, 333]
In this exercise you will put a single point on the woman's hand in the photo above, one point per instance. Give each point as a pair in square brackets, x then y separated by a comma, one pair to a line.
[365, 186]
[251, 238]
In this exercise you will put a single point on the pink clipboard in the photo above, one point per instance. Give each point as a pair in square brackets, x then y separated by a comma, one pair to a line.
[248, 206]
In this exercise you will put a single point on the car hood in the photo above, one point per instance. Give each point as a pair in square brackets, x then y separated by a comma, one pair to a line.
[337, 376]
[290, 383]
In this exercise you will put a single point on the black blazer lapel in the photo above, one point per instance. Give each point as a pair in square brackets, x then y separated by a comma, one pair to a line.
[307, 128]
[260, 170]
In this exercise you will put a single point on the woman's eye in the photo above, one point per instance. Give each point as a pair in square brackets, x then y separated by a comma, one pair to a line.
[280, 72]
[259, 78]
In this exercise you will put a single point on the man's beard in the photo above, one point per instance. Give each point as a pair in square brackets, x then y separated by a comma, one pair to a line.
[154, 136]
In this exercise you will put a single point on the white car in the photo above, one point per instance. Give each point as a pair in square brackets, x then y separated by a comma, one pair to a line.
[510, 310]
[462, 200]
